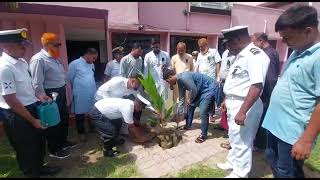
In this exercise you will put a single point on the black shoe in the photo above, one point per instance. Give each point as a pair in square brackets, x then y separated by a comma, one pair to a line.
[49, 170]
[119, 142]
[68, 144]
[60, 154]
[110, 153]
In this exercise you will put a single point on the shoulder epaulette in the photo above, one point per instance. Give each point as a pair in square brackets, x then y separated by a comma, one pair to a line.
[254, 51]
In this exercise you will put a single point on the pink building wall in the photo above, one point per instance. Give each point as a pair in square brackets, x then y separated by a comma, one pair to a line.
[120, 12]
[38, 24]
[255, 17]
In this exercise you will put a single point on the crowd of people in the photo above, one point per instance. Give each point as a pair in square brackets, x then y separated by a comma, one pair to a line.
[262, 108]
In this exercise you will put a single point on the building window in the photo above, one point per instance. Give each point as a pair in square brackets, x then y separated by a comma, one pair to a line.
[191, 43]
[223, 8]
[126, 40]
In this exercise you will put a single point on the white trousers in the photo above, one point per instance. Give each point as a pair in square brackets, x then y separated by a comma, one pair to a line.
[241, 137]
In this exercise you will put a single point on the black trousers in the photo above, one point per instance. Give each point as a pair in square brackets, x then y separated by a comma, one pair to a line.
[27, 141]
[57, 135]
[108, 129]
[260, 140]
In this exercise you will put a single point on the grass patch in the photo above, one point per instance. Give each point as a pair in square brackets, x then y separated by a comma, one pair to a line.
[8, 164]
[120, 167]
[313, 162]
[201, 171]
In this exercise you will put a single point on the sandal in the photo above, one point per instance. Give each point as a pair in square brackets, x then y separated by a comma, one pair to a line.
[212, 118]
[200, 139]
[225, 145]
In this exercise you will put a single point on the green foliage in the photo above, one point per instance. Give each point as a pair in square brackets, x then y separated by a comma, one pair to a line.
[201, 171]
[8, 164]
[314, 161]
[157, 100]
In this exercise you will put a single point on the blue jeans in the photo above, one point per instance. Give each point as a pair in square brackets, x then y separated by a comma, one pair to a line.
[205, 105]
[278, 155]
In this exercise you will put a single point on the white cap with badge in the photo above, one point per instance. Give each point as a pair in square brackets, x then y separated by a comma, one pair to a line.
[234, 32]
[146, 102]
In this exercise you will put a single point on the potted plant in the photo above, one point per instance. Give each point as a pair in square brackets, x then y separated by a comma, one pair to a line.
[168, 137]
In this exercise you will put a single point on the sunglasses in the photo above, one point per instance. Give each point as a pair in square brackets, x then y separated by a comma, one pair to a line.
[56, 44]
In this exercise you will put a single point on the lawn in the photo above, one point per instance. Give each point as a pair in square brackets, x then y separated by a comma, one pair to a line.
[120, 167]
[201, 171]
[313, 162]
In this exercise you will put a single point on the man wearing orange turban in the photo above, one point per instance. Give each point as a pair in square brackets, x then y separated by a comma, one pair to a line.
[48, 76]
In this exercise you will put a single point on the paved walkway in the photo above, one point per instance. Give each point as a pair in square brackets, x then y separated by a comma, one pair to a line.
[153, 161]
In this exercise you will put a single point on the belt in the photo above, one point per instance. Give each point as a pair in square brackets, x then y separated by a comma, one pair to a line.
[234, 97]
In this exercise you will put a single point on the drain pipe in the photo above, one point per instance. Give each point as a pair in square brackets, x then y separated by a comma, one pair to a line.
[188, 17]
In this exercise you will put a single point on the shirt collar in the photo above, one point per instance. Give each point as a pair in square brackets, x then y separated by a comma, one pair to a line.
[310, 50]
[9, 58]
[45, 53]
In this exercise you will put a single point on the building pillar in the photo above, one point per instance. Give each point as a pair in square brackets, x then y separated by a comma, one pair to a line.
[109, 46]
[212, 41]
[36, 31]
[164, 42]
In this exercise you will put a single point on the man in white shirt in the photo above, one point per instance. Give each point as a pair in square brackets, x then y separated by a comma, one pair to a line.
[113, 67]
[242, 88]
[117, 87]
[18, 102]
[195, 62]
[209, 62]
[108, 115]
[154, 61]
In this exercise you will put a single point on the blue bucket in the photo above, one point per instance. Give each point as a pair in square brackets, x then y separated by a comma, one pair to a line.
[48, 113]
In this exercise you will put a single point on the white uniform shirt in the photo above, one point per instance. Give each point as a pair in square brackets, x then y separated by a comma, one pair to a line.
[115, 88]
[195, 65]
[155, 62]
[115, 108]
[226, 61]
[15, 77]
[207, 62]
[112, 68]
[250, 67]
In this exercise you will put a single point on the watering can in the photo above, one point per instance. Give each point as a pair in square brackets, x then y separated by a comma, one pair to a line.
[48, 112]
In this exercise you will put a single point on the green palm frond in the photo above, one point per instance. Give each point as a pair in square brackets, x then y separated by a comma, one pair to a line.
[157, 100]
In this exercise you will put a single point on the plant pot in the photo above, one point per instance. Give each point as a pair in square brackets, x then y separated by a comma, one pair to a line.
[168, 138]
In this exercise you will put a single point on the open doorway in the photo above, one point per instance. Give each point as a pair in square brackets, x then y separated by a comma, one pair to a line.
[75, 49]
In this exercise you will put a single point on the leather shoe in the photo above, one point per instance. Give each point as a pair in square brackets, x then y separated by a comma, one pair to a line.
[49, 170]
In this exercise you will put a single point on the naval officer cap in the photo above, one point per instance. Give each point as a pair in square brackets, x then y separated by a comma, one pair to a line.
[234, 32]
[14, 36]
[145, 102]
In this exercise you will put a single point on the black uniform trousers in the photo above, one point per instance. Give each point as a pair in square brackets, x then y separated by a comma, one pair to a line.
[58, 134]
[27, 141]
[108, 129]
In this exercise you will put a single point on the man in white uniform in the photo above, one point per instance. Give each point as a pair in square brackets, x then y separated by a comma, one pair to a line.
[18, 103]
[113, 67]
[108, 115]
[243, 87]
[154, 61]
[117, 87]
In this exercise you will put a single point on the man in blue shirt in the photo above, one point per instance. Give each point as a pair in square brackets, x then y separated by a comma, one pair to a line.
[204, 92]
[291, 121]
